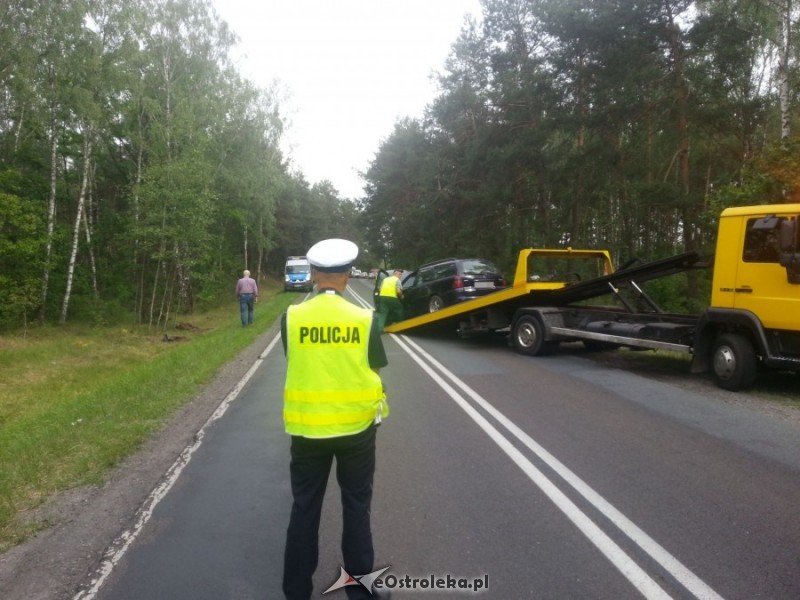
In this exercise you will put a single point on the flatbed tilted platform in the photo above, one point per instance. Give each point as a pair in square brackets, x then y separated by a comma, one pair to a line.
[540, 292]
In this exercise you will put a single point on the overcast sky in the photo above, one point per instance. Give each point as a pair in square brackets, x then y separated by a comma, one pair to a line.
[350, 69]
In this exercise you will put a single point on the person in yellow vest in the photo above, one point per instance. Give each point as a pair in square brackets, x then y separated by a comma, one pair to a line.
[333, 404]
[390, 309]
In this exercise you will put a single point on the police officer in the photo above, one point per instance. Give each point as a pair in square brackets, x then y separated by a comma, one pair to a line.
[390, 308]
[333, 403]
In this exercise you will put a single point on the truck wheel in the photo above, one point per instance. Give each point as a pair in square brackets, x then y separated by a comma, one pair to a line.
[528, 337]
[435, 303]
[734, 362]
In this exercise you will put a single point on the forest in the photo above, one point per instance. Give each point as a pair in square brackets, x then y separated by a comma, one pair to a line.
[140, 172]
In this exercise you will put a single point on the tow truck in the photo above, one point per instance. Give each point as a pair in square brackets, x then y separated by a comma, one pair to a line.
[752, 321]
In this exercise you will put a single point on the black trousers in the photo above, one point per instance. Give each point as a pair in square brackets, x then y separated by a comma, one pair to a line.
[310, 466]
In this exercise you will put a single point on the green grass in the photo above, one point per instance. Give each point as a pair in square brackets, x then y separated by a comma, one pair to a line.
[75, 401]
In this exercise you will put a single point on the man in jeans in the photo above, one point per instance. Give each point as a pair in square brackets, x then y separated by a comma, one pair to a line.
[247, 292]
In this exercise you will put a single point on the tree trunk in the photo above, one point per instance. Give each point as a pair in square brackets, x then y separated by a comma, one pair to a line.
[184, 281]
[681, 94]
[88, 231]
[88, 226]
[155, 292]
[783, 71]
[245, 243]
[87, 147]
[138, 255]
[51, 218]
[260, 247]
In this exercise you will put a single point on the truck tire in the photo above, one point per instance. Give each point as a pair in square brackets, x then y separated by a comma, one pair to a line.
[528, 337]
[734, 362]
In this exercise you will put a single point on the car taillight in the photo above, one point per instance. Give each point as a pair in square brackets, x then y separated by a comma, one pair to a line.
[458, 282]
[503, 283]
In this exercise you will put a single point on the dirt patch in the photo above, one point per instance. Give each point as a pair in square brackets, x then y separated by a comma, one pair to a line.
[775, 393]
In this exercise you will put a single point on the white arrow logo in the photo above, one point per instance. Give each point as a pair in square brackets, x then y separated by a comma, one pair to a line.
[365, 581]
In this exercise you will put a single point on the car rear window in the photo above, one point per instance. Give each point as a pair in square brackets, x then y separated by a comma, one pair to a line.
[478, 267]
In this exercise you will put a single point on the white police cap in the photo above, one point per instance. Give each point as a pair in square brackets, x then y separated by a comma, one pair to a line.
[333, 255]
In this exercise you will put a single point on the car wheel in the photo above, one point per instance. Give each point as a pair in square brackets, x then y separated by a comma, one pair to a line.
[734, 362]
[528, 337]
[435, 303]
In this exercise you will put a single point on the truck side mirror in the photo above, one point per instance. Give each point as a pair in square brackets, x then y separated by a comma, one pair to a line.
[789, 255]
[788, 234]
[791, 261]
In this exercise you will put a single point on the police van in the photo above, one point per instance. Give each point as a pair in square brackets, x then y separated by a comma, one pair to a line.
[297, 274]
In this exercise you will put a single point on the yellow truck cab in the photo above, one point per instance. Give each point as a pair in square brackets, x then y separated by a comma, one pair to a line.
[754, 313]
[749, 273]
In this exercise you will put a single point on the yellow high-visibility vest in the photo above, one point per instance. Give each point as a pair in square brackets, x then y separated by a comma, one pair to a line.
[389, 287]
[330, 388]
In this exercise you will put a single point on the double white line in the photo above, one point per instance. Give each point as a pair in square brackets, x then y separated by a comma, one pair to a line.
[460, 391]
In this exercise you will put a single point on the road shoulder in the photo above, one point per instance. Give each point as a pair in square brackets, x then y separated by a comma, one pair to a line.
[86, 521]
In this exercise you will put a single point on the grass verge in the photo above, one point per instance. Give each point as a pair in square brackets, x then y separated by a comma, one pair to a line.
[75, 401]
[779, 387]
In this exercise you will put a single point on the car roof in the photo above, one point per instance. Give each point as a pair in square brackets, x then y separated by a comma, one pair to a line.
[444, 260]
[436, 262]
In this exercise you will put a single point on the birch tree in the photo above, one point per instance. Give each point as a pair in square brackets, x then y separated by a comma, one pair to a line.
[785, 51]
[46, 37]
[92, 91]
[87, 161]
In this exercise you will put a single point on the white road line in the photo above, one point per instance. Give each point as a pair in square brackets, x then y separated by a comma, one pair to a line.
[358, 298]
[685, 576]
[116, 551]
[682, 574]
[646, 585]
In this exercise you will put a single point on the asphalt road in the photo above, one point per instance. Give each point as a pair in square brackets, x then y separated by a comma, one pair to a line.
[545, 478]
